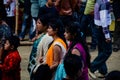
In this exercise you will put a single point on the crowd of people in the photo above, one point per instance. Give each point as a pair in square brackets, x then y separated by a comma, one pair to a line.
[58, 31]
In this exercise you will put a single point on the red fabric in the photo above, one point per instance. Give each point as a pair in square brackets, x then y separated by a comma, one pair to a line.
[11, 66]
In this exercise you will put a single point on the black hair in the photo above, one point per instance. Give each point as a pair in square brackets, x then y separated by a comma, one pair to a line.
[2, 11]
[57, 24]
[43, 73]
[14, 40]
[44, 19]
[113, 75]
[74, 29]
[72, 64]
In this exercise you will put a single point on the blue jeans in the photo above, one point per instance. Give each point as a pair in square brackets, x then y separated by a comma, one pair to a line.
[24, 27]
[87, 21]
[32, 31]
[93, 30]
[104, 52]
[84, 22]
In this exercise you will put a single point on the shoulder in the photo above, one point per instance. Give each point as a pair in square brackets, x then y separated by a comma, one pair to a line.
[60, 43]
[57, 48]
[14, 55]
[77, 49]
[47, 37]
[46, 40]
[78, 46]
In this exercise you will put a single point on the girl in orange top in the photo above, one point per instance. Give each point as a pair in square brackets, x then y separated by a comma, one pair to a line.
[58, 47]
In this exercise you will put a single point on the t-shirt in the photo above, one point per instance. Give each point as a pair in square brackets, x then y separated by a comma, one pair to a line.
[89, 7]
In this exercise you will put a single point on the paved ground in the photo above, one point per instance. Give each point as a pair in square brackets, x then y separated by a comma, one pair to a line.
[113, 62]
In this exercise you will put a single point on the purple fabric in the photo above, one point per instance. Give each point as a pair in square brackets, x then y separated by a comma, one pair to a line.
[83, 54]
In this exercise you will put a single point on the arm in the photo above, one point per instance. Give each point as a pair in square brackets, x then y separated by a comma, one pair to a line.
[66, 12]
[105, 21]
[57, 52]
[89, 9]
[42, 2]
[76, 52]
[4, 23]
[1, 52]
[11, 63]
[2, 42]
[43, 48]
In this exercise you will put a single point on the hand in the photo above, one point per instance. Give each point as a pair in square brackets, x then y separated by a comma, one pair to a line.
[57, 2]
[41, 60]
[108, 40]
[68, 12]
[3, 22]
[92, 13]
[118, 19]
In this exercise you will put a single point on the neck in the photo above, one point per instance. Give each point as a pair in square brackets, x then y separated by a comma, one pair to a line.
[55, 37]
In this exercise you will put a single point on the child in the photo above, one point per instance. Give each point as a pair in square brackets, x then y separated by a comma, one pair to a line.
[10, 59]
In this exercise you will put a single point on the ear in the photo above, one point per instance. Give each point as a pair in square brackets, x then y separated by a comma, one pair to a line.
[74, 35]
[56, 30]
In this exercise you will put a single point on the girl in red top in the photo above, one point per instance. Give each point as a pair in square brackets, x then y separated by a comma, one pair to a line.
[11, 59]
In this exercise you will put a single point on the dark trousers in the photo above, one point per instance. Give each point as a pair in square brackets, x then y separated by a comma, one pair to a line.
[87, 24]
[11, 22]
[25, 24]
[116, 36]
[0, 75]
[104, 52]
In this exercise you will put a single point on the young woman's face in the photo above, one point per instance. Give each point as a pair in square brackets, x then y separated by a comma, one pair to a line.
[39, 26]
[67, 35]
[51, 32]
[7, 45]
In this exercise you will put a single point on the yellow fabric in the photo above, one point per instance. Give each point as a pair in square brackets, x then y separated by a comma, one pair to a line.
[89, 7]
[112, 26]
[49, 55]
